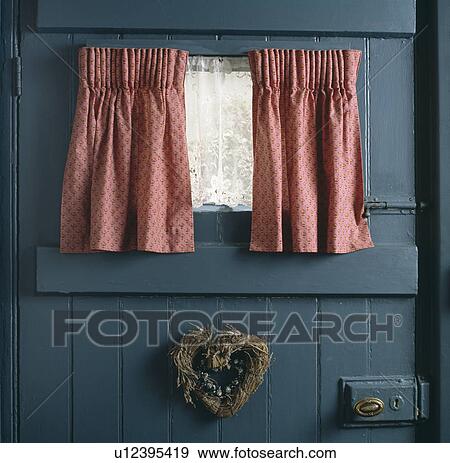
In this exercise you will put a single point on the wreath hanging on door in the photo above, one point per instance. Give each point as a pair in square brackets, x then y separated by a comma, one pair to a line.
[221, 369]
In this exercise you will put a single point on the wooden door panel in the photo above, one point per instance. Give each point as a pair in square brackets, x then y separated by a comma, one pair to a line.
[350, 16]
[130, 394]
[83, 392]
[391, 118]
[147, 380]
[96, 384]
[294, 414]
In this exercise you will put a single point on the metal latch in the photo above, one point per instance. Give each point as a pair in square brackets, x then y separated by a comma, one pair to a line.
[383, 401]
[406, 206]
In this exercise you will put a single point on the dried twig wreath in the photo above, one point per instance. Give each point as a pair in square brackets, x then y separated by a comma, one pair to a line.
[221, 369]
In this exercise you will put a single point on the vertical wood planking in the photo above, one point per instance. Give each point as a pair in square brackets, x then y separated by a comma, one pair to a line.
[391, 134]
[188, 424]
[392, 116]
[250, 424]
[97, 377]
[131, 394]
[97, 408]
[395, 357]
[333, 360]
[338, 359]
[392, 173]
[44, 374]
[44, 371]
[45, 125]
[292, 376]
[146, 387]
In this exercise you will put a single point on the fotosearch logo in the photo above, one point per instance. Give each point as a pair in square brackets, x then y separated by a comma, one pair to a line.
[110, 328]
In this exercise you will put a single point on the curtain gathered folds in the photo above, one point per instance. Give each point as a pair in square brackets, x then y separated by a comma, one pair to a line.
[307, 176]
[126, 182]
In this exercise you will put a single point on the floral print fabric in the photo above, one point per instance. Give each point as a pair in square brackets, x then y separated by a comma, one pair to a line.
[126, 183]
[307, 175]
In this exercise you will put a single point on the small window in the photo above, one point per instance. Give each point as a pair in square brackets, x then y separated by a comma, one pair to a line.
[219, 130]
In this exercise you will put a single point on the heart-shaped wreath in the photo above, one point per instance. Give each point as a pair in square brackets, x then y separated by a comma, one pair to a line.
[221, 369]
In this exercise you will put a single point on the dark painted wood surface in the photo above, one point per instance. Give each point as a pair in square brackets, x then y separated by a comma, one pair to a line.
[385, 17]
[426, 163]
[82, 392]
[442, 194]
[8, 249]
[230, 270]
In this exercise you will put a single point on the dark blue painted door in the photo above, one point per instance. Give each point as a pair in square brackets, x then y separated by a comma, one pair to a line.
[83, 392]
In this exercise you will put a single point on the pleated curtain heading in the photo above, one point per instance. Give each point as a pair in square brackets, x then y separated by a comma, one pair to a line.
[308, 191]
[127, 182]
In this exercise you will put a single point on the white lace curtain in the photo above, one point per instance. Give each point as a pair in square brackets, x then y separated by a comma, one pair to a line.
[219, 130]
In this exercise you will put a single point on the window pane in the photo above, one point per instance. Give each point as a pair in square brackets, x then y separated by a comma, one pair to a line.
[219, 130]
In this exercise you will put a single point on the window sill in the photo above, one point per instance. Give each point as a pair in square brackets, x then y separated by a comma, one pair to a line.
[224, 269]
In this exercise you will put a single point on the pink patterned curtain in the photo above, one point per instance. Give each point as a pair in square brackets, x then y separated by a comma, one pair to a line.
[307, 181]
[126, 182]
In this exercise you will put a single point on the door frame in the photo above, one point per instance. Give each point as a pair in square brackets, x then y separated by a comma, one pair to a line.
[9, 22]
[432, 109]
[441, 221]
